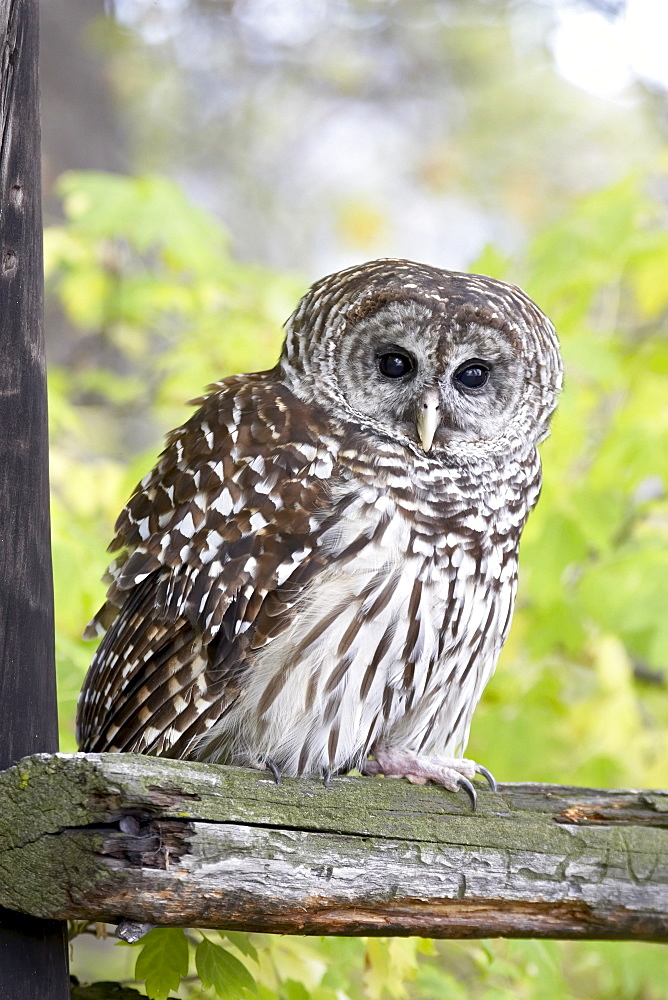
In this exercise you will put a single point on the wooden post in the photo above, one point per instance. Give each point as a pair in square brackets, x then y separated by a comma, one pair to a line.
[33, 953]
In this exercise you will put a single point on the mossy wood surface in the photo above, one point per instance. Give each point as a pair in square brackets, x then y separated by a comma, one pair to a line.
[112, 836]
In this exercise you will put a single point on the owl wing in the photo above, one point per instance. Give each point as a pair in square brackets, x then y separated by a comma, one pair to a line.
[217, 543]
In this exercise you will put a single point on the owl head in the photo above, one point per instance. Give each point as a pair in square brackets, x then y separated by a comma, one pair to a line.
[441, 362]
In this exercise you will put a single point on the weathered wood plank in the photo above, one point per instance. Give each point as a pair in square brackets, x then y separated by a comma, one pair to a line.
[112, 836]
[33, 954]
[28, 720]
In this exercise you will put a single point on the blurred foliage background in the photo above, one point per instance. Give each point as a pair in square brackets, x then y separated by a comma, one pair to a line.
[205, 160]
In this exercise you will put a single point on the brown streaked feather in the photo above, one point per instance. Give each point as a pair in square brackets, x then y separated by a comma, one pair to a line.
[332, 743]
[173, 672]
[163, 598]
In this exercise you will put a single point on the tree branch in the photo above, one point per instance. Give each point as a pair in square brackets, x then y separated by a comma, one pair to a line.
[112, 836]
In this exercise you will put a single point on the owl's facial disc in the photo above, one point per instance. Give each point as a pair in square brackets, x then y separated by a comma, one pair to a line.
[423, 376]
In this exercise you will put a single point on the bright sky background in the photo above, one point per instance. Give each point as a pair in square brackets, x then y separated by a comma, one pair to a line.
[598, 53]
[602, 54]
[355, 152]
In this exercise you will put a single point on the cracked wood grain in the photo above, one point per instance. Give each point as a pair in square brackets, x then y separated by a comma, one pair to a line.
[120, 836]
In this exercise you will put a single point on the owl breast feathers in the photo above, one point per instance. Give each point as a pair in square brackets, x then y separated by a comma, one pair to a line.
[319, 573]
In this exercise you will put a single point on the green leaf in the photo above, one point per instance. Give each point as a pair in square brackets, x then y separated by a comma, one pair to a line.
[223, 972]
[241, 942]
[162, 961]
[294, 990]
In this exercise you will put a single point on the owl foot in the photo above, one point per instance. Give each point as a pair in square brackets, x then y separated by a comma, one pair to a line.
[453, 773]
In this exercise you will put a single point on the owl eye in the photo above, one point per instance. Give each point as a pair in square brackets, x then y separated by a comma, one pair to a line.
[472, 375]
[395, 364]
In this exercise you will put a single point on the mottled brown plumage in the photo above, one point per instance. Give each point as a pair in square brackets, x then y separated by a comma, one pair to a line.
[322, 565]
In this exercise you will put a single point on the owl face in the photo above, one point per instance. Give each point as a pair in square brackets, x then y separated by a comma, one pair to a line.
[439, 361]
[425, 377]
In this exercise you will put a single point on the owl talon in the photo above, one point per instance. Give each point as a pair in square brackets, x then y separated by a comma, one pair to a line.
[450, 772]
[487, 775]
[274, 770]
[467, 787]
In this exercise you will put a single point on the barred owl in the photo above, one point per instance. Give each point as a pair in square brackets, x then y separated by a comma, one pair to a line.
[319, 573]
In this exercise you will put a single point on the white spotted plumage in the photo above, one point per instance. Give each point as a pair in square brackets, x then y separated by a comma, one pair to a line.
[303, 582]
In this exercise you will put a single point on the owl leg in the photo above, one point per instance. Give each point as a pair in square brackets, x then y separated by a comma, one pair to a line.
[451, 772]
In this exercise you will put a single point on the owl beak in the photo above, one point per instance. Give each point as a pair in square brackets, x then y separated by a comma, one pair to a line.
[429, 418]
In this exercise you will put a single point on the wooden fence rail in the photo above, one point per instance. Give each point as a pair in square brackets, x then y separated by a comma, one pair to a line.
[113, 836]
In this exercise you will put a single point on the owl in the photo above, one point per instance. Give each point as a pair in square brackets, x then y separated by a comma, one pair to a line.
[319, 573]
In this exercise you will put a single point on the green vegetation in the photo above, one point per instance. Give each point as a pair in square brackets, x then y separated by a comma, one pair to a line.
[162, 308]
